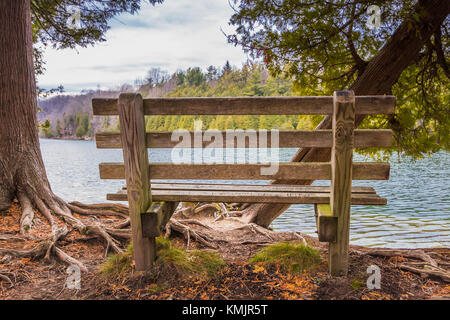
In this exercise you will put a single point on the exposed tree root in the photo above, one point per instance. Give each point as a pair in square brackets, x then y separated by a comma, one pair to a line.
[116, 207]
[415, 254]
[429, 266]
[439, 256]
[119, 233]
[204, 207]
[96, 210]
[220, 227]
[54, 208]
[219, 210]
[256, 229]
[68, 259]
[12, 238]
[426, 269]
[44, 249]
[188, 232]
[231, 237]
[123, 224]
[4, 277]
[26, 220]
[196, 222]
[99, 230]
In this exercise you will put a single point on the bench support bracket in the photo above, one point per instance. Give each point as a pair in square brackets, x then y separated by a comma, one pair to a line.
[326, 223]
[156, 218]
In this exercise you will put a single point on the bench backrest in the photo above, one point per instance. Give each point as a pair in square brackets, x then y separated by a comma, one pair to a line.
[133, 119]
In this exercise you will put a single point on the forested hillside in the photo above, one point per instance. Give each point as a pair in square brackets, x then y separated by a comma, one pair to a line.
[71, 116]
[250, 80]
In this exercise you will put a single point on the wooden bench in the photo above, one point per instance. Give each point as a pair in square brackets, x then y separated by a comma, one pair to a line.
[151, 204]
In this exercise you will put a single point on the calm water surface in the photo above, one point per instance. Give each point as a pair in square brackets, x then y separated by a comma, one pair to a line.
[418, 193]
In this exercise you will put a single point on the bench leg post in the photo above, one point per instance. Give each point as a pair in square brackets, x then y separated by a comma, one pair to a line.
[341, 182]
[132, 129]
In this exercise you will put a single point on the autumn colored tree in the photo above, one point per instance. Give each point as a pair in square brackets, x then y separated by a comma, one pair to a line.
[22, 172]
[329, 45]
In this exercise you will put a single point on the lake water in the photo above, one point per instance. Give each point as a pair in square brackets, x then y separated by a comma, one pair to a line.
[418, 193]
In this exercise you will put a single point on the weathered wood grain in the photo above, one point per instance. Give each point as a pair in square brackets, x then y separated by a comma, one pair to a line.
[365, 138]
[248, 106]
[251, 187]
[230, 196]
[341, 181]
[136, 172]
[286, 171]
[157, 216]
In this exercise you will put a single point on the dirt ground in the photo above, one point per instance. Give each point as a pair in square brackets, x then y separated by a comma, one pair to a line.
[46, 280]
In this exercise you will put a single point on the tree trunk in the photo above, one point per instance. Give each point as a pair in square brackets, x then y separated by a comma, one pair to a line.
[22, 171]
[21, 166]
[380, 74]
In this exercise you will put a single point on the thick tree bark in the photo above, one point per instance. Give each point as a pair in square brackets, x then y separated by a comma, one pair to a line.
[380, 74]
[22, 172]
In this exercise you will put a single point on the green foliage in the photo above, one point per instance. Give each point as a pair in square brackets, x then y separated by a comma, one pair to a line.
[325, 46]
[211, 73]
[180, 78]
[45, 124]
[77, 124]
[227, 68]
[308, 41]
[290, 257]
[47, 130]
[58, 128]
[195, 77]
[82, 125]
[50, 24]
[50, 20]
[250, 80]
[195, 263]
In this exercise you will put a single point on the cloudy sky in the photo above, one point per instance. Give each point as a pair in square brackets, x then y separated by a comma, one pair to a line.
[174, 35]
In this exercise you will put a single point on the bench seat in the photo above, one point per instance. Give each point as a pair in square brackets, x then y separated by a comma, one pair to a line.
[288, 194]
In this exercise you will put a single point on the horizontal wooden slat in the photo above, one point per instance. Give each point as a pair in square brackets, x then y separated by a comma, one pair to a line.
[373, 138]
[371, 171]
[248, 106]
[252, 187]
[286, 171]
[168, 171]
[287, 139]
[249, 197]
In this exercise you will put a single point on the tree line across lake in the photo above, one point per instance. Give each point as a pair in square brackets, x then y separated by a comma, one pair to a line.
[250, 80]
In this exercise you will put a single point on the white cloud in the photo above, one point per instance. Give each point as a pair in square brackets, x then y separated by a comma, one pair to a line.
[173, 35]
